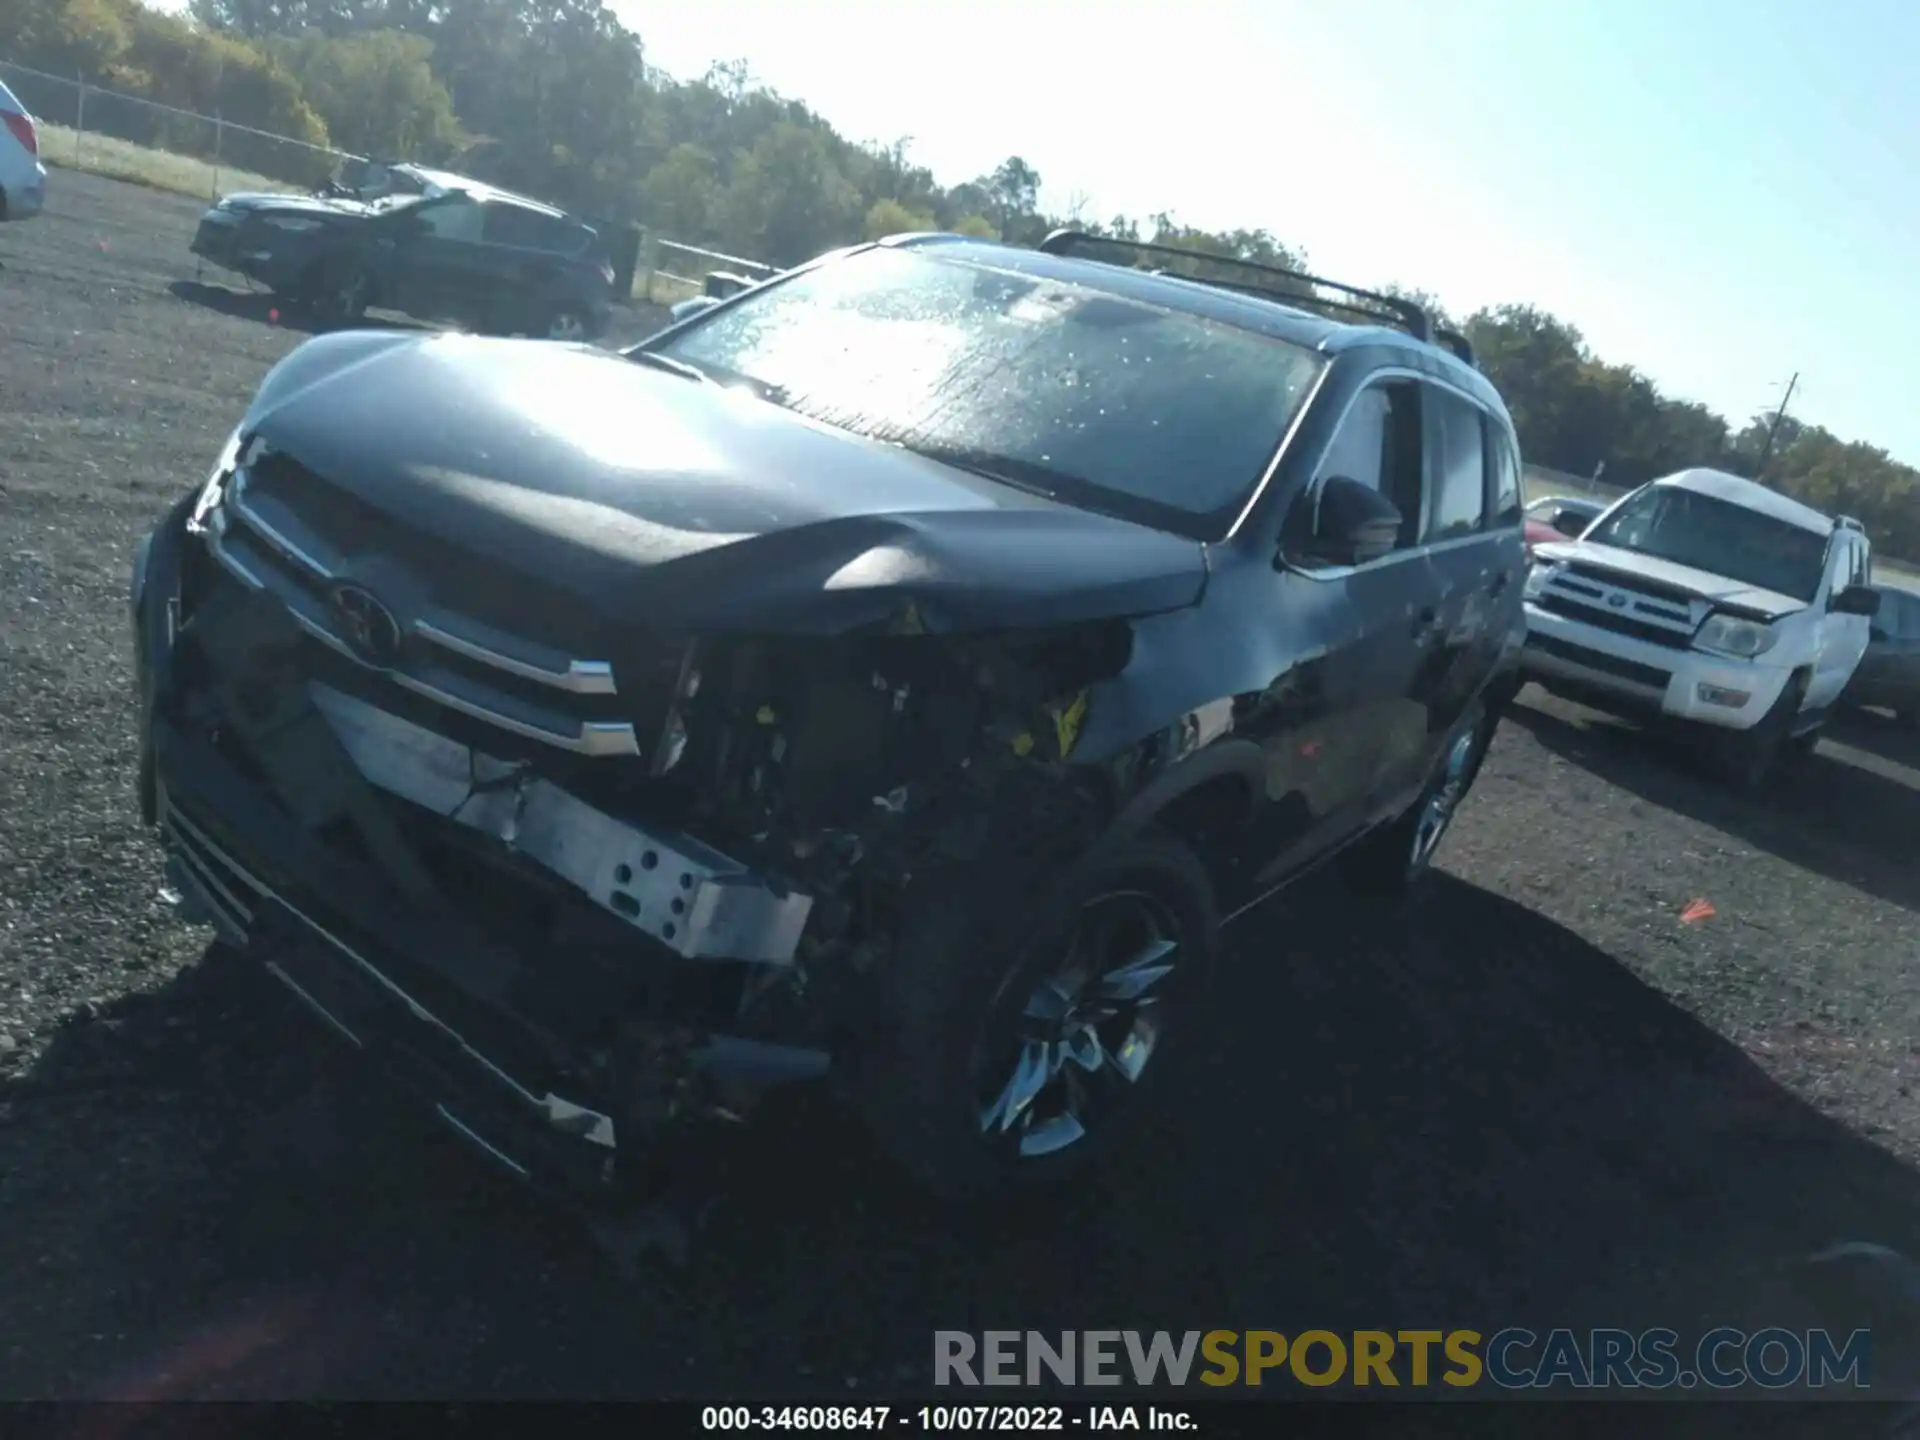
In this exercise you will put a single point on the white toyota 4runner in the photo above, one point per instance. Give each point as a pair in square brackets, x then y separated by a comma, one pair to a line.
[1706, 598]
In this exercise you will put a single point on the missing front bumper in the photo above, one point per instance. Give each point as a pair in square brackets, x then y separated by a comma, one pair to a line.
[428, 993]
[689, 897]
[528, 1129]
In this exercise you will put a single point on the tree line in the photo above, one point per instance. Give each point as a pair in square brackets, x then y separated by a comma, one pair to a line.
[554, 97]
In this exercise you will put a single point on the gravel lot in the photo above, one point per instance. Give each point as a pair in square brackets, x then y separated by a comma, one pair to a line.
[1541, 1099]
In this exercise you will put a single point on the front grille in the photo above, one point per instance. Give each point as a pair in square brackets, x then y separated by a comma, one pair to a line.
[299, 543]
[1625, 604]
[1618, 621]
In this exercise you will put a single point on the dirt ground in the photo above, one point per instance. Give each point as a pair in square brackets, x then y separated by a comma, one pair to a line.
[1539, 1098]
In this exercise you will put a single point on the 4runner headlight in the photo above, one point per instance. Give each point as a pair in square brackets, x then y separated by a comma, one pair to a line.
[1724, 635]
[1538, 574]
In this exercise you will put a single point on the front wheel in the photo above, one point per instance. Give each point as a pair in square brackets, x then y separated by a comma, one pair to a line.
[567, 326]
[338, 296]
[1752, 757]
[1397, 856]
[1025, 1020]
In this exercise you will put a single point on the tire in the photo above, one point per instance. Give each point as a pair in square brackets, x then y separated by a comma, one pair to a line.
[566, 325]
[1753, 757]
[935, 1082]
[337, 296]
[1397, 856]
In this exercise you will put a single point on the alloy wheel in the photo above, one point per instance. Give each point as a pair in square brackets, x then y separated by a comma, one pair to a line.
[1443, 799]
[1088, 1032]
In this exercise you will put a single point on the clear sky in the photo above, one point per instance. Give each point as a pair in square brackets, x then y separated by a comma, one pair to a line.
[1721, 192]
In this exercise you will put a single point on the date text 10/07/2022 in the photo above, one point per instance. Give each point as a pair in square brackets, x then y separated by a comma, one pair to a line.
[942, 1418]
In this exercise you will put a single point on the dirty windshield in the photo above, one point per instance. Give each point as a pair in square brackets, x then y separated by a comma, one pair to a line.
[1152, 414]
[1689, 528]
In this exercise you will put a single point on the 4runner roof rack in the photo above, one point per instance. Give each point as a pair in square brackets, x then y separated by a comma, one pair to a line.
[1388, 309]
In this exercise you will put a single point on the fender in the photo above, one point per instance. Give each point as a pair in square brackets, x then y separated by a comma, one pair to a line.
[1241, 760]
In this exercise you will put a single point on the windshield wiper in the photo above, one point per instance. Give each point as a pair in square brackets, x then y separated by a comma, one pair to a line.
[672, 366]
[1003, 469]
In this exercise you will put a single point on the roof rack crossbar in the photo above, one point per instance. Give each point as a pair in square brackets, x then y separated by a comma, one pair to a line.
[1453, 340]
[1268, 292]
[1408, 315]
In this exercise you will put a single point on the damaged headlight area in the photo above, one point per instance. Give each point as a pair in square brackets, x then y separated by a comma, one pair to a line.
[789, 740]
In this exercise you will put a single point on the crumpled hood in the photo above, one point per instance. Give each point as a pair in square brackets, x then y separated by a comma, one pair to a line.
[661, 499]
[251, 201]
[1722, 591]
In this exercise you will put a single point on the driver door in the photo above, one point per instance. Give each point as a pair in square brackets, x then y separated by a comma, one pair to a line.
[432, 255]
[1840, 639]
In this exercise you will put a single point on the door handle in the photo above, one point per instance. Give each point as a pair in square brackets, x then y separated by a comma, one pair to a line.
[1426, 620]
[1499, 583]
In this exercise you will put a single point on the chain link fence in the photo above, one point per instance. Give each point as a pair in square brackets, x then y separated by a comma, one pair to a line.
[671, 271]
[86, 126]
[91, 127]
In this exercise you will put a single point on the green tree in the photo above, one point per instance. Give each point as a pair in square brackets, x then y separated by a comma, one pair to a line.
[678, 196]
[890, 217]
[375, 91]
[786, 198]
[1013, 190]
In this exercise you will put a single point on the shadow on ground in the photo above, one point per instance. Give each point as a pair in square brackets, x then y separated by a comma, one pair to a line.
[627, 324]
[1826, 814]
[264, 308]
[1466, 1116]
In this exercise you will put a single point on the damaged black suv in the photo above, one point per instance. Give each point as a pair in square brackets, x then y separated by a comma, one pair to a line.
[897, 673]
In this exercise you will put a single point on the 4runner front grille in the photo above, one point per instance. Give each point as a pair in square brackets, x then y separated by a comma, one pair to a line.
[1625, 605]
[270, 540]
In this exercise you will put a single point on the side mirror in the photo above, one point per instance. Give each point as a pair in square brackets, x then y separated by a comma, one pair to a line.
[1571, 525]
[1856, 600]
[1352, 524]
[696, 305]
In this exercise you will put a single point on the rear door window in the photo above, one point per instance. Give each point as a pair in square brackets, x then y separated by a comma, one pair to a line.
[1458, 501]
[1503, 466]
[455, 219]
[523, 229]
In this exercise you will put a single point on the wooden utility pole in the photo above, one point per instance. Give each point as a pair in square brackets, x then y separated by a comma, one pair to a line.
[1773, 430]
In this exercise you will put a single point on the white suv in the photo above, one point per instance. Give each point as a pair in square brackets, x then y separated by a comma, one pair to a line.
[23, 179]
[1711, 599]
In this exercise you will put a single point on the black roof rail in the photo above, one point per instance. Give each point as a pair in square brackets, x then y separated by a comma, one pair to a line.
[1454, 341]
[1403, 313]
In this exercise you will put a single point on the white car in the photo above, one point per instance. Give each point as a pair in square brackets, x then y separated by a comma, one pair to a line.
[23, 179]
[1709, 599]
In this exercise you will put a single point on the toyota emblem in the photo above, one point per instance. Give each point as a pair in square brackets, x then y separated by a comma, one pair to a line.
[366, 625]
[1617, 601]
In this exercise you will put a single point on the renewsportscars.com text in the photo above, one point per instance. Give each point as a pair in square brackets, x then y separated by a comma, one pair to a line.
[1509, 1359]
